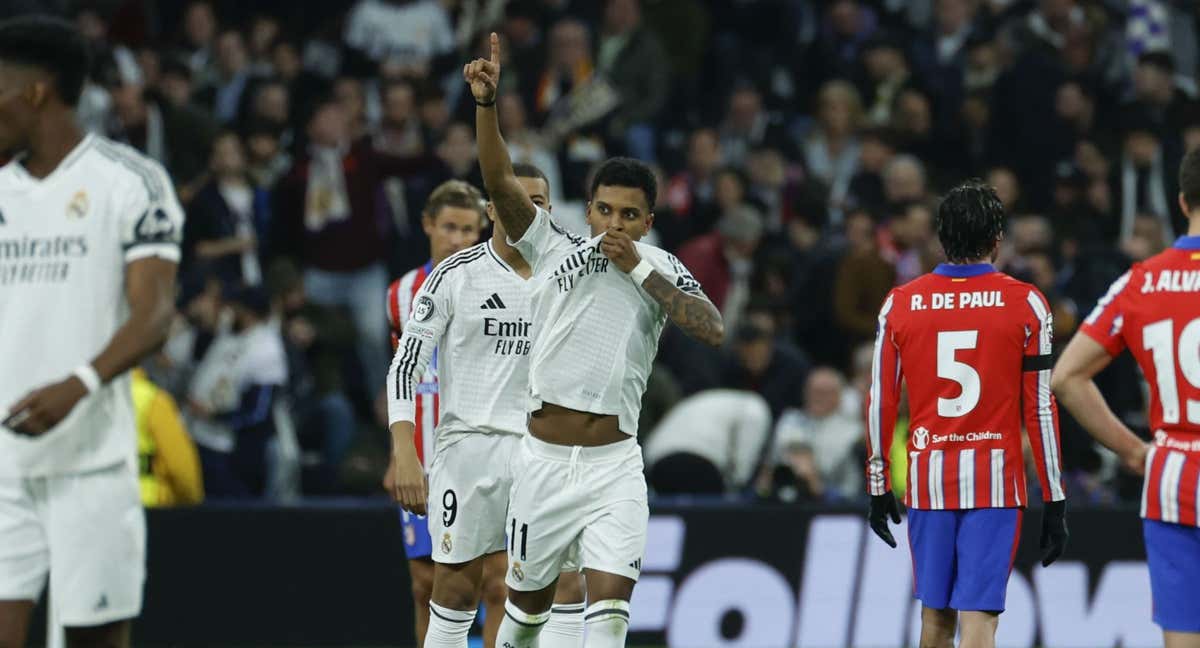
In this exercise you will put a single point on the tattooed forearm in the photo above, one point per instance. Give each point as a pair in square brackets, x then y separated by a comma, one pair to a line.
[693, 313]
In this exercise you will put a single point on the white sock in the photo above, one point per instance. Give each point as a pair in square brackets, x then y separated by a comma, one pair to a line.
[520, 629]
[607, 624]
[448, 628]
[565, 627]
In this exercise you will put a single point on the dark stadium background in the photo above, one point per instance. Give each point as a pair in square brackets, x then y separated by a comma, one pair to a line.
[801, 145]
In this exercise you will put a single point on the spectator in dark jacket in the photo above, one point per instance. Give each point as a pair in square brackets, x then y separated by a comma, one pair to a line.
[762, 362]
[178, 137]
[227, 219]
[633, 59]
[863, 280]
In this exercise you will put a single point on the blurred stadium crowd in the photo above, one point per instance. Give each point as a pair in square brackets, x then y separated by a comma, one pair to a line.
[801, 145]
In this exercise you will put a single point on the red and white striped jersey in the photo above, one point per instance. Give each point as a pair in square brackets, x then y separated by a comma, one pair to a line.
[1154, 311]
[400, 298]
[973, 346]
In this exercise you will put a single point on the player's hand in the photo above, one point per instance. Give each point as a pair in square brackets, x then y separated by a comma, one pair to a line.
[1054, 531]
[883, 507]
[408, 486]
[483, 75]
[1134, 460]
[619, 248]
[43, 408]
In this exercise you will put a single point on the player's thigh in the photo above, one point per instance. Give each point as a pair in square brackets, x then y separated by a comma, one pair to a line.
[24, 547]
[469, 485]
[14, 622]
[932, 538]
[986, 546]
[1181, 639]
[1173, 556]
[108, 635]
[546, 512]
[97, 533]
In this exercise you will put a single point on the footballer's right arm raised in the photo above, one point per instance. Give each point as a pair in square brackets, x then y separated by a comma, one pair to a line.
[513, 205]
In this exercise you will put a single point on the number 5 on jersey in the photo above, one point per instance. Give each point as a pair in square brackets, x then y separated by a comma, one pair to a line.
[950, 343]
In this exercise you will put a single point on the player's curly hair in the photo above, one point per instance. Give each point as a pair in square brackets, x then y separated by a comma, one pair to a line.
[969, 221]
[627, 172]
[51, 44]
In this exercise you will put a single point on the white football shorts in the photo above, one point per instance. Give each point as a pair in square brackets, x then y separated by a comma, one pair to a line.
[469, 483]
[86, 532]
[573, 503]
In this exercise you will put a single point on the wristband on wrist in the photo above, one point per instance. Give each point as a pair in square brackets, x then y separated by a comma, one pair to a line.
[485, 104]
[88, 376]
[641, 271]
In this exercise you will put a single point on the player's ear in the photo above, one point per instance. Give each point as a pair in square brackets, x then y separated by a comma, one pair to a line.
[1183, 206]
[649, 221]
[36, 92]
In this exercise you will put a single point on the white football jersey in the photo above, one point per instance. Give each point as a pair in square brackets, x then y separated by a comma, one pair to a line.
[474, 309]
[64, 243]
[597, 330]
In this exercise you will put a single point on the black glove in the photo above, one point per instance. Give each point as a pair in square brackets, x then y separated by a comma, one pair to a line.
[883, 506]
[1054, 531]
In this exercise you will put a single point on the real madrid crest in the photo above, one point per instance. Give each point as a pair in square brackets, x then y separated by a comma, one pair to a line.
[517, 573]
[78, 207]
[446, 544]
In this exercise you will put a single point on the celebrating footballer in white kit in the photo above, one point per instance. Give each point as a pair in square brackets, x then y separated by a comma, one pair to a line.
[474, 309]
[600, 305]
[89, 239]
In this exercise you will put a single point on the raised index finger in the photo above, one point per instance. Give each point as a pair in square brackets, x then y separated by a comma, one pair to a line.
[495, 41]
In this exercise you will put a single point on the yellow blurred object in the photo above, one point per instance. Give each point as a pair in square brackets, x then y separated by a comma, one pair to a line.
[168, 465]
[899, 459]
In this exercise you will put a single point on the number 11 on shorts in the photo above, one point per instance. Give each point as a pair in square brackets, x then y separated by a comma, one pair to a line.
[512, 538]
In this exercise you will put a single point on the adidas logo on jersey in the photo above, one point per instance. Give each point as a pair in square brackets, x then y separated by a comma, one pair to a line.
[493, 302]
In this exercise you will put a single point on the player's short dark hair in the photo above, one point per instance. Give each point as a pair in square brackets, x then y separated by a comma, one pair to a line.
[1189, 179]
[969, 221]
[527, 170]
[627, 172]
[455, 193]
[51, 44]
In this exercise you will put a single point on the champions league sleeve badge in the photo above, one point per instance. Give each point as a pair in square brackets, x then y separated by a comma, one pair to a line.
[424, 309]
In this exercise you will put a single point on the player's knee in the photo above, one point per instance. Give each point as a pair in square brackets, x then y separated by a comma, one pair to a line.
[113, 635]
[458, 596]
[569, 589]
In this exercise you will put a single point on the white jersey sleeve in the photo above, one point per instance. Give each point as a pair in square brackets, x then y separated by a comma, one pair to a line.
[545, 240]
[151, 218]
[424, 328]
[671, 268]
